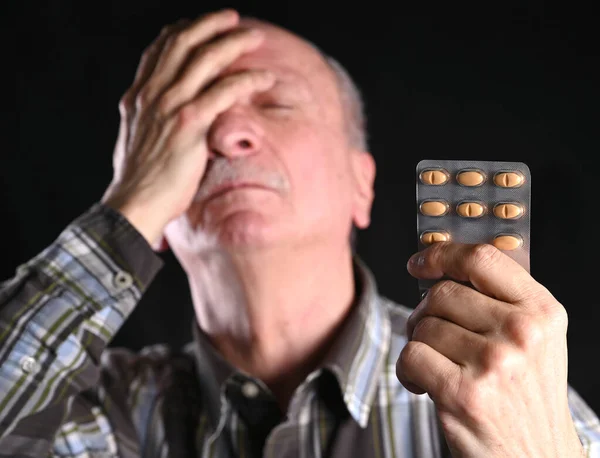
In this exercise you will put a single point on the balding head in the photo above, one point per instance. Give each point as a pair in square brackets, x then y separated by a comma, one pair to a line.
[301, 146]
[350, 95]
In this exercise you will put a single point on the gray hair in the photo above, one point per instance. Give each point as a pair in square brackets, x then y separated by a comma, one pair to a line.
[352, 103]
[355, 118]
[350, 95]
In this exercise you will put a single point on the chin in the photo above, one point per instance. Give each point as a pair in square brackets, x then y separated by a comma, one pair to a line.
[239, 230]
[245, 230]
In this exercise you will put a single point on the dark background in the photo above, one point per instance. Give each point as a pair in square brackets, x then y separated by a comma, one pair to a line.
[516, 82]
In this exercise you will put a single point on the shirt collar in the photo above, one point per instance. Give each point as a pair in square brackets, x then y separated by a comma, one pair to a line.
[358, 354]
[356, 357]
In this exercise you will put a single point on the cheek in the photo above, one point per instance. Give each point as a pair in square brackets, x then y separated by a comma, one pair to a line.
[317, 170]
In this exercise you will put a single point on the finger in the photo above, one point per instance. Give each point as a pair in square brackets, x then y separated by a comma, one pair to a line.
[224, 94]
[459, 304]
[147, 64]
[152, 53]
[484, 266]
[421, 366]
[127, 101]
[456, 343]
[208, 62]
[178, 50]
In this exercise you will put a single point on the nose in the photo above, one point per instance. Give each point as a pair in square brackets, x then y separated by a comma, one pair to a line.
[233, 135]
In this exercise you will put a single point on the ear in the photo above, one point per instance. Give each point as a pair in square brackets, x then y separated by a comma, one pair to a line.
[363, 167]
[161, 245]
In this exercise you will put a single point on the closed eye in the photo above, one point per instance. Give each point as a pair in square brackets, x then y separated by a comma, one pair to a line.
[275, 106]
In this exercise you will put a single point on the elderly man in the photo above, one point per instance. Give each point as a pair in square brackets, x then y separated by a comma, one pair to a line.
[242, 149]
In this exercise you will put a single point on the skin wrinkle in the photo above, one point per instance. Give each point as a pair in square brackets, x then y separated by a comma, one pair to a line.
[272, 273]
[220, 171]
[279, 257]
[350, 96]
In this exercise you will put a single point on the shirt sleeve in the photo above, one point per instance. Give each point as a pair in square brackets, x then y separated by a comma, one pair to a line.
[586, 422]
[58, 314]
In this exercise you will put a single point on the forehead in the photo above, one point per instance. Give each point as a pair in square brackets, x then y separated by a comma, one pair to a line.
[291, 57]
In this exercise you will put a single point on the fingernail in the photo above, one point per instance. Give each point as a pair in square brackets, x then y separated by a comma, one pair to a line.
[417, 259]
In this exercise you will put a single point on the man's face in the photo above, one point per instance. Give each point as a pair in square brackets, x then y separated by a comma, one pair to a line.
[282, 170]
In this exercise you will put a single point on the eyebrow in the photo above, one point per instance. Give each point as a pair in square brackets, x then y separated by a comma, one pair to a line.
[287, 79]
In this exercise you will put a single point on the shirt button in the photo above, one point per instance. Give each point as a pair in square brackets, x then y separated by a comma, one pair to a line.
[250, 390]
[123, 280]
[29, 365]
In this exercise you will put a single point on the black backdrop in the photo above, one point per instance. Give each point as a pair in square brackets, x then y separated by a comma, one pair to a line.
[515, 82]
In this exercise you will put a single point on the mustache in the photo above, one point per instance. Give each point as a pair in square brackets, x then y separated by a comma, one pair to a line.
[221, 171]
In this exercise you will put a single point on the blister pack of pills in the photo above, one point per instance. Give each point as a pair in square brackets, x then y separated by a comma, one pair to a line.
[469, 201]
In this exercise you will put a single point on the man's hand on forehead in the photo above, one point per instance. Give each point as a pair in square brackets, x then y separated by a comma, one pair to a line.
[193, 57]
[161, 152]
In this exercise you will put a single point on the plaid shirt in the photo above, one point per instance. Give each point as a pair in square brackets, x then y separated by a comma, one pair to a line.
[64, 393]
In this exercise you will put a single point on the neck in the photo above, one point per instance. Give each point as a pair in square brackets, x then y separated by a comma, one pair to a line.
[278, 316]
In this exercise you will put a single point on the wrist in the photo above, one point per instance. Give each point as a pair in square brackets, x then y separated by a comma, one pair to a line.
[141, 218]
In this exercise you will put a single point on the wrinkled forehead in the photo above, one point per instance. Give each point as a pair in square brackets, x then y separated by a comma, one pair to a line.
[287, 54]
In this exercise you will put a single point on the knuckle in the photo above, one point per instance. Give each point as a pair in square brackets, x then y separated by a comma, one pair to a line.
[186, 115]
[145, 57]
[165, 105]
[499, 358]
[546, 301]
[162, 109]
[525, 331]
[150, 51]
[229, 83]
[247, 82]
[125, 102]
[208, 53]
[560, 318]
[431, 254]
[168, 29]
[240, 38]
[442, 289]
[182, 39]
[436, 249]
[256, 78]
[484, 255]
[410, 354]
[164, 31]
[169, 42]
[144, 97]
[424, 327]
[147, 52]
